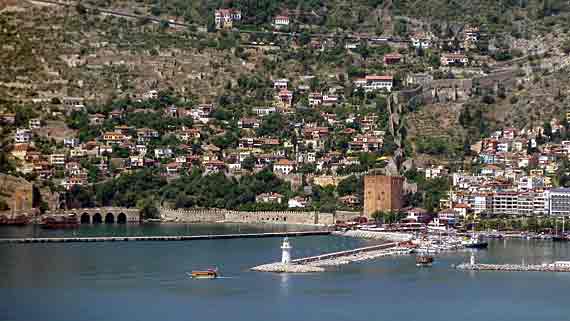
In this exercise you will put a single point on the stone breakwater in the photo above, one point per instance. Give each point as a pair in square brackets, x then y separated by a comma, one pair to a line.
[335, 259]
[386, 236]
[358, 257]
[512, 268]
[287, 268]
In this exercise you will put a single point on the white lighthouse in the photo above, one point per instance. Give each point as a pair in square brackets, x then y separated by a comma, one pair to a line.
[286, 251]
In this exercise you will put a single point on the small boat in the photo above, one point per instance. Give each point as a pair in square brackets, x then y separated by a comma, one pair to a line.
[207, 274]
[19, 220]
[60, 222]
[475, 242]
[424, 260]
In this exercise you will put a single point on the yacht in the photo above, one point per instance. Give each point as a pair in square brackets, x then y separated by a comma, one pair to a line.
[475, 242]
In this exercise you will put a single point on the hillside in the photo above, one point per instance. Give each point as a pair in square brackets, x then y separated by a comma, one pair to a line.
[341, 88]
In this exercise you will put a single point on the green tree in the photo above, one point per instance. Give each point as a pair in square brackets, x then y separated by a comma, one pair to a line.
[148, 209]
[248, 163]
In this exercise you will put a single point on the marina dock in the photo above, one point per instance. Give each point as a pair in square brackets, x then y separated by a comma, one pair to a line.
[513, 267]
[160, 238]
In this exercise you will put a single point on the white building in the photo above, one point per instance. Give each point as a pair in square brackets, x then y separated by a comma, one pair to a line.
[151, 94]
[280, 84]
[264, 111]
[559, 201]
[57, 159]
[284, 167]
[281, 21]
[23, 135]
[224, 18]
[421, 40]
[373, 83]
[453, 59]
[35, 123]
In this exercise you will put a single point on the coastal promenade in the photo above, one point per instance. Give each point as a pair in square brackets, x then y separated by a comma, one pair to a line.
[159, 238]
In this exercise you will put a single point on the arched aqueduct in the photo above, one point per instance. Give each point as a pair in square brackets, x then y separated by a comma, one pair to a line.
[106, 215]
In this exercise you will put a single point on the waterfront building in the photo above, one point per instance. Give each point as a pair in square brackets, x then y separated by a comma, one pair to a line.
[559, 201]
[505, 203]
[382, 193]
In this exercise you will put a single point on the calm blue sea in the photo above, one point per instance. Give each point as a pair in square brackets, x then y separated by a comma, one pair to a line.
[148, 281]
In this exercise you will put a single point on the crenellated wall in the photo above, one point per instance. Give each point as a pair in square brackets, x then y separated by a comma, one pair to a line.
[273, 217]
[193, 215]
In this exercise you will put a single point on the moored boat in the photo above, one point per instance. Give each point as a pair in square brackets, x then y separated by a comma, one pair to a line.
[60, 222]
[19, 220]
[475, 242]
[424, 260]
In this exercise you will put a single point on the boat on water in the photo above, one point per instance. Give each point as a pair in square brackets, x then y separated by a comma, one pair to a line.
[424, 260]
[475, 242]
[60, 222]
[560, 238]
[207, 274]
[18, 220]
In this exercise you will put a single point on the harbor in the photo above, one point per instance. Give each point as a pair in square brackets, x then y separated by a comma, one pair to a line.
[318, 262]
[131, 273]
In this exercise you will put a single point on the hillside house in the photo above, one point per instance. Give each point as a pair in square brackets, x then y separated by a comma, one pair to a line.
[281, 22]
[421, 40]
[364, 143]
[34, 123]
[373, 83]
[418, 79]
[264, 111]
[57, 160]
[350, 200]
[163, 153]
[330, 100]
[285, 98]
[96, 119]
[392, 58]
[225, 18]
[315, 99]
[453, 59]
[23, 135]
[269, 198]
[280, 84]
[245, 123]
[214, 166]
[7, 118]
[284, 167]
[113, 137]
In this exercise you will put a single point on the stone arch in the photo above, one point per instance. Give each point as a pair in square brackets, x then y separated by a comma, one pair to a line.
[97, 218]
[85, 218]
[109, 218]
[122, 218]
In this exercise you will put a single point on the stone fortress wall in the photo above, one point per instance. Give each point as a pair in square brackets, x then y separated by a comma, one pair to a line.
[272, 217]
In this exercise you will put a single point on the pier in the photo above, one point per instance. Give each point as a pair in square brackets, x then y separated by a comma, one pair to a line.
[340, 254]
[513, 267]
[318, 262]
[160, 238]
